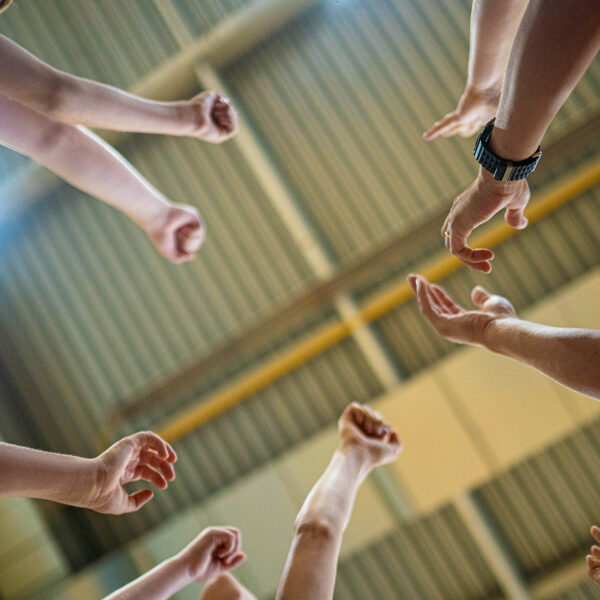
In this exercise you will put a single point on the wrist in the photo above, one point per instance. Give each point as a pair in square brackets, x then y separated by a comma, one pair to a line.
[81, 484]
[499, 335]
[486, 183]
[180, 572]
[357, 456]
[489, 89]
[505, 144]
[153, 216]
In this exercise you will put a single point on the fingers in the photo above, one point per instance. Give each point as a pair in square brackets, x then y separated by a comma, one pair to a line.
[444, 300]
[480, 296]
[229, 542]
[137, 500]
[147, 440]
[425, 303]
[234, 560]
[595, 531]
[356, 412]
[443, 127]
[149, 474]
[224, 115]
[370, 421]
[190, 238]
[151, 459]
[477, 259]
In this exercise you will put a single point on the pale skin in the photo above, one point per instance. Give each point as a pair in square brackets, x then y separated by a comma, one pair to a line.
[365, 442]
[226, 587]
[494, 24]
[539, 77]
[96, 483]
[570, 356]
[212, 554]
[593, 558]
[44, 114]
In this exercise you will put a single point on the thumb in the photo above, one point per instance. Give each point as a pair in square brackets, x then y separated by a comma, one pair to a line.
[480, 296]
[515, 218]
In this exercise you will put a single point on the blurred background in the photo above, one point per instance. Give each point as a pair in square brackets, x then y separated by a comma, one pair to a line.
[320, 207]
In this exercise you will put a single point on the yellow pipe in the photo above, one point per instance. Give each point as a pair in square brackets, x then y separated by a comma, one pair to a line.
[289, 360]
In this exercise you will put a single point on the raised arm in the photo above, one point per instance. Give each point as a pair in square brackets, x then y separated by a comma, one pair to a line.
[365, 442]
[95, 483]
[87, 162]
[570, 356]
[494, 24]
[214, 552]
[78, 101]
[554, 46]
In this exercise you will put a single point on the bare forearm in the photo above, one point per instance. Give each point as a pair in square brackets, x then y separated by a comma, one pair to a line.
[494, 24]
[82, 159]
[554, 46]
[570, 356]
[27, 473]
[75, 100]
[311, 565]
[160, 583]
[332, 497]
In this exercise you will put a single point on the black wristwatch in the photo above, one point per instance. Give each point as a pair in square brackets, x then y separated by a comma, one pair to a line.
[501, 168]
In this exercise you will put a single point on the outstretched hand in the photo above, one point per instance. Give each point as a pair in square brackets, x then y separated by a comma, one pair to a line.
[478, 204]
[362, 428]
[214, 552]
[216, 120]
[475, 109]
[450, 319]
[142, 456]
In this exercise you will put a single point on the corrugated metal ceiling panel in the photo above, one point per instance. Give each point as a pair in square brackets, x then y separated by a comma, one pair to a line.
[433, 558]
[116, 42]
[544, 507]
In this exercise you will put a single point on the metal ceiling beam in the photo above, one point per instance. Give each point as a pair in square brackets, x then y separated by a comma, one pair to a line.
[350, 276]
[312, 248]
[501, 564]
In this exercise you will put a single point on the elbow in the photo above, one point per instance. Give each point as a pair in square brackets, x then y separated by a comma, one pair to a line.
[55, 90]
[317, 529]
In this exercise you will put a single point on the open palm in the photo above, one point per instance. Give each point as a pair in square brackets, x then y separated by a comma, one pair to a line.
[453, 321]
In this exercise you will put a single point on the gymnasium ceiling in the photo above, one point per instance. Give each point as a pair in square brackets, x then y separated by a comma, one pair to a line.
[93, 322]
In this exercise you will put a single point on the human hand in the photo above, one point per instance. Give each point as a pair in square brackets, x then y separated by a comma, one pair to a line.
[593, 559]
[454, 322]
[361, 428]
[177, 232]
[214, 552]
[478, 204]
[475, 108]
[226, 587]
[142, 456]
[216, 120]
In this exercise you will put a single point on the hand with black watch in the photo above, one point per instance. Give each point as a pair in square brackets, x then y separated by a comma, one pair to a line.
[507, 149]
[500, 185]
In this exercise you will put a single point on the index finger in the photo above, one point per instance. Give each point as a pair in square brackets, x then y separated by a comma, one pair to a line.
[440, 126]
